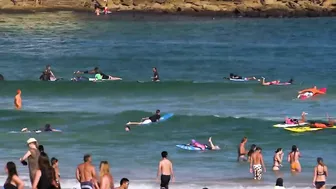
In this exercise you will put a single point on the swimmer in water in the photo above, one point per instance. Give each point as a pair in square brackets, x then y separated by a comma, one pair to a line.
[47, 128]
[211, 146]
[152, 119]
[18, 100]
[96, 70]
[275, 82]
[234, 76]
[127, 129]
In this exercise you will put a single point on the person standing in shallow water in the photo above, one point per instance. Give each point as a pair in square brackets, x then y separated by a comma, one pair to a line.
[13, 181]
[54, 164]
[105, 176]
[124, 183]
[293, 159]
[17, 100]
[32, 155]
[257, 163]
[241, 150]
[86, 174]
[320, 174]
[45, 174]
[165, 170]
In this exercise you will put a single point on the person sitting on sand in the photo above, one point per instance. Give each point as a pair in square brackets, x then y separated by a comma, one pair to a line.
[152, 119]
[204, 146]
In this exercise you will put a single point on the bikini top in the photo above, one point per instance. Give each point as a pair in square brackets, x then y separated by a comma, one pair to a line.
[321, 173]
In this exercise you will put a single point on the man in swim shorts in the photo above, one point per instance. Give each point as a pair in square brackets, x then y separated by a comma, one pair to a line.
[256, 164]
[165, 170]
[242, 151]
[204, 146]
[154, 118]
[96, 71]
[86, 174]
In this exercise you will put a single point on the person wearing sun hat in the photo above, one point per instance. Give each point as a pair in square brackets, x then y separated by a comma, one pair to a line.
[32, 156]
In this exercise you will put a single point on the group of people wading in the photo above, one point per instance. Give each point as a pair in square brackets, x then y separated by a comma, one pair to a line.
[44, 172]
[257, 166]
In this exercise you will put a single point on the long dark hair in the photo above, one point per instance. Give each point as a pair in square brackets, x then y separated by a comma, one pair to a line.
[252, 149]
[45, 167]
[11, 167]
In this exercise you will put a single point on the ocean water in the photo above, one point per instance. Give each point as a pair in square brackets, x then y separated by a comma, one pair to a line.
[192, 56]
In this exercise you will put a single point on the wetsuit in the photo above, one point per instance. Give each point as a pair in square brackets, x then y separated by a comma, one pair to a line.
[234, 76]
[154, 118]
[156, 76]
[45, 76]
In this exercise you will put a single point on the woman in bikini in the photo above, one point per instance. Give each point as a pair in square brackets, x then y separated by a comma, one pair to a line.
[293, 159]
[320, 174]
[278, 156]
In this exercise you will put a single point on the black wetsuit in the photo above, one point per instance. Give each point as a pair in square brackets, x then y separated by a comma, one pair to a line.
[156, 76]
[45, 76]
[154, 118]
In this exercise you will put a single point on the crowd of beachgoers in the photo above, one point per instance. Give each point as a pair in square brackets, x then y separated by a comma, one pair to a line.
[44, 173]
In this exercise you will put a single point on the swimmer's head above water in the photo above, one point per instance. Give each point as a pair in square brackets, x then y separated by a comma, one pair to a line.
[127, 129]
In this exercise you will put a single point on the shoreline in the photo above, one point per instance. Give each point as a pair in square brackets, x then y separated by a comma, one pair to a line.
[209, 10]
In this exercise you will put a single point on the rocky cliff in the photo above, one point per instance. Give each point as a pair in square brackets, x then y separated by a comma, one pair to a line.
[247, 8]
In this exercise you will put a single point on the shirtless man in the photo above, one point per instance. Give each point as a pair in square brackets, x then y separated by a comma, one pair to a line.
[257, 163]
[86, 174]
[17, 100]
[241, 150]
[165, 169]
[124, 182]
[293, 159]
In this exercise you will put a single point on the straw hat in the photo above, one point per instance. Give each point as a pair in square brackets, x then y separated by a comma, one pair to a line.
[31, 140]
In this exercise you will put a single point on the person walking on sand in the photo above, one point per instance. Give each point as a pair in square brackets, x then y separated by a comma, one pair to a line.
[165, 169]
[32, 155]
[320, 174]
[257, 163]
[17, 100]
[241, 150]
[293, 159]
[86, 174]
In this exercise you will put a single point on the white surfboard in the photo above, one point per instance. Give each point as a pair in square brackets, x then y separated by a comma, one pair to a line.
[283, 125]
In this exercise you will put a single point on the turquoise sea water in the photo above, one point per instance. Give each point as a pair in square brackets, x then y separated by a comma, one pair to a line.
[192, 56]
